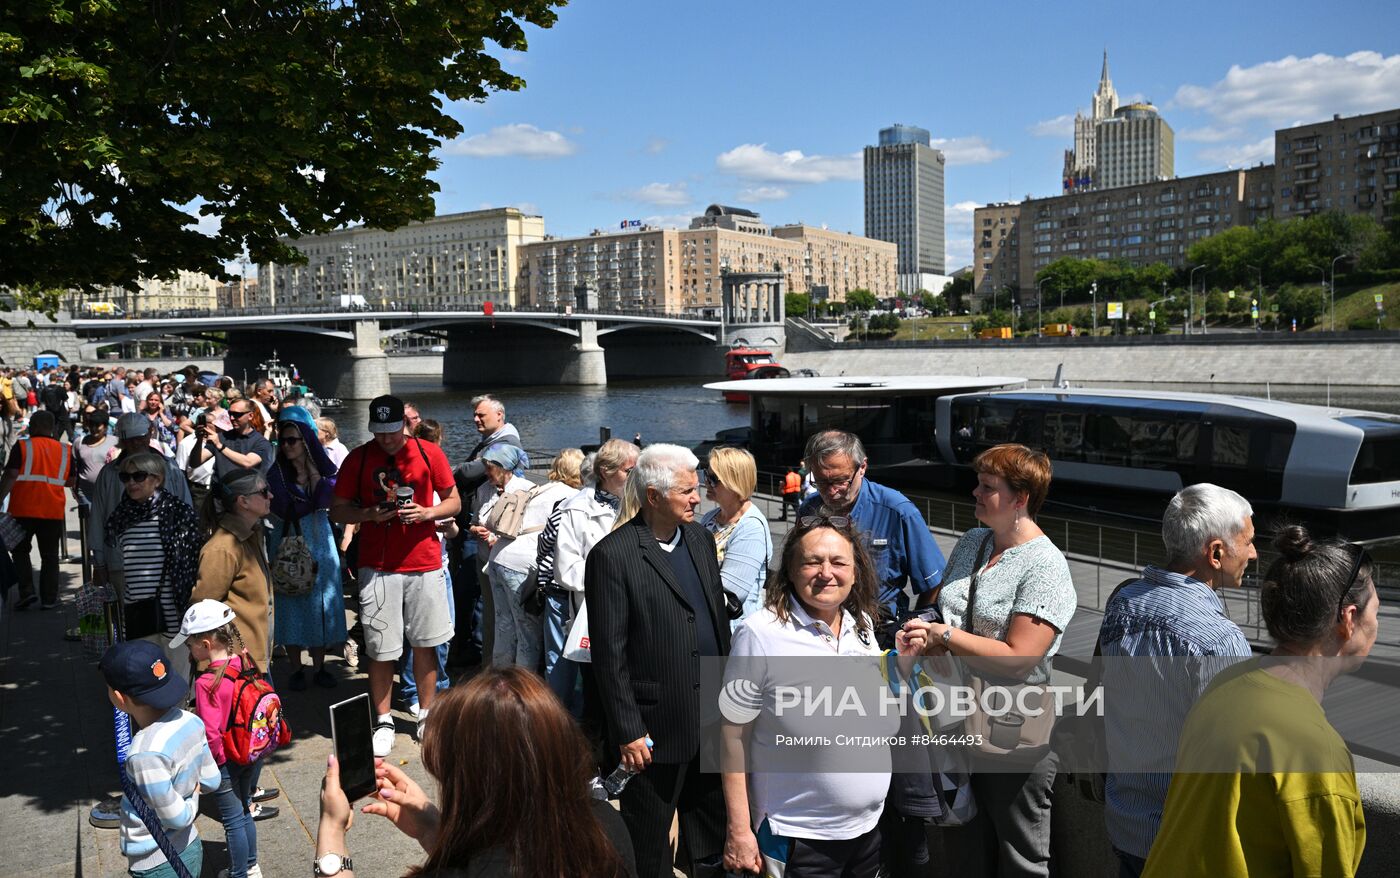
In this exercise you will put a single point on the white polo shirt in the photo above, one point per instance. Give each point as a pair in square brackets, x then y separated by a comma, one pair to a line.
[814, 805]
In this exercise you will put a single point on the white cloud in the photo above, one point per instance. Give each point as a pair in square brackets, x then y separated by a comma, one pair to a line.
[659, 194]
[763, 193]
[669, 220]
[656, 146]
[957, 234]
[758, 163]
[967, 150]
[1240, 156]
[1292, 88]
[1209, 134]
[520, 140]
[1060, 126]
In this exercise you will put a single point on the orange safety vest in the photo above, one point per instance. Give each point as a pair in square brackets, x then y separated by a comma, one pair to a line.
[792, 484]
[43, 472]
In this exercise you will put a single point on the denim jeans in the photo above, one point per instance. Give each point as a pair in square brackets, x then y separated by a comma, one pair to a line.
[518, 637]
[236, 785]
[192, 857]
[561, 673]
[409, 687]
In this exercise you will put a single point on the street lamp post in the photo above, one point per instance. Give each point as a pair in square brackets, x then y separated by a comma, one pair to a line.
[1094, 305]
[1258, 293]
[1332, 291]
[1039, 298]
[1191, 296]
[1151, 321]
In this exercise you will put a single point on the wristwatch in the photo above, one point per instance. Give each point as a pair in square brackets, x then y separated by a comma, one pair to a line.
[947, 636]
[330, 864]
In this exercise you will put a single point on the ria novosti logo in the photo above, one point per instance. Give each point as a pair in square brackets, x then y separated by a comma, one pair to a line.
[740, 701]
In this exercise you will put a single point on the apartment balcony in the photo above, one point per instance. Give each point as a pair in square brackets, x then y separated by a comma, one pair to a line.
[1307, 162]
[1303, 146]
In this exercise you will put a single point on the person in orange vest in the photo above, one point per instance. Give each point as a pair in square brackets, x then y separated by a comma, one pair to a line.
[792, 492]
[36, 474]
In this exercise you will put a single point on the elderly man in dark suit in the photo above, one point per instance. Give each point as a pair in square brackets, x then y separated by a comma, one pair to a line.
[655, 607]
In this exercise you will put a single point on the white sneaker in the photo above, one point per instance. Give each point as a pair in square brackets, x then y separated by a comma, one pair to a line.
[255, 871]
[383, 738]
[415, 709]
[421, 728]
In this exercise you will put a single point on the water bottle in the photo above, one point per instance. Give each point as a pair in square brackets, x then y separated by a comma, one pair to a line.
[614, 783]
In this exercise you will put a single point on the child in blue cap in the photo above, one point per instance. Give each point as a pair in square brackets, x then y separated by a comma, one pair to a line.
[169, 762]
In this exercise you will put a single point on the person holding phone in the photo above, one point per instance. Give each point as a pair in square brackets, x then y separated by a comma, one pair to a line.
[522, 810]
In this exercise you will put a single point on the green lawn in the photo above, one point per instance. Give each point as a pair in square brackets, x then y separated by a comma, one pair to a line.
[1352, 304]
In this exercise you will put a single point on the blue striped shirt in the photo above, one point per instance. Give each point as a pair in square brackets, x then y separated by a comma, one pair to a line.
[1179, 625]
[170, 763]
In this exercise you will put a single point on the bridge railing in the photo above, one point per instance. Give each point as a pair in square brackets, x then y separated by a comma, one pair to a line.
[395, 310]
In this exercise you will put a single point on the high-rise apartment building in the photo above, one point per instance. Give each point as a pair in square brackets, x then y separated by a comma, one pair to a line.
[1347, 164]
[904, 201]
[682, 270]
[457, 260]
[1080, 161]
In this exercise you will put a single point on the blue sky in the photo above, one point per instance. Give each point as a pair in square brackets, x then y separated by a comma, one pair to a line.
[652, 110]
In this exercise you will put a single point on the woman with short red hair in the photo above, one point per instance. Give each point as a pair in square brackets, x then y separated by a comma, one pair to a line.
[1006, 599]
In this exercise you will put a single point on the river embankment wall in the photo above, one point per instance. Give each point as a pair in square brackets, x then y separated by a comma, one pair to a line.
[1372, 363]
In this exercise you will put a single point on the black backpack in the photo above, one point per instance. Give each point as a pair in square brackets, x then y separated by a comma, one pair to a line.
[55, 399]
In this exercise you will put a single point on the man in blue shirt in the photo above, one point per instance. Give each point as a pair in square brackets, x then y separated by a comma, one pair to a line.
[1173, 619]
[896, 534]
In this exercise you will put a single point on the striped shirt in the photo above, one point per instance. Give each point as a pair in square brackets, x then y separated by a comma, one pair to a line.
[1178, 624]
[169, 763]
[143, 558]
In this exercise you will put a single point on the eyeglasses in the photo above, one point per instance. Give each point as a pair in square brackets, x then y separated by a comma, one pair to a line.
[237, 415]
[711, 479]
[837, 484]
[1363, 557]
[261, 492]
[289, 440]
[137, 477]
[836, 521]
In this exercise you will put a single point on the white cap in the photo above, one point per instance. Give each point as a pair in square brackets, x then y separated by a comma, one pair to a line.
[202, 617]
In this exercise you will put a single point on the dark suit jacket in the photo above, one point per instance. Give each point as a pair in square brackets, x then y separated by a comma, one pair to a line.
[642, 633]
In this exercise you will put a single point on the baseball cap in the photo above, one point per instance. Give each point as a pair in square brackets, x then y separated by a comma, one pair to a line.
[202, 617]
[133, 425]
[139, 669]
[385, 414]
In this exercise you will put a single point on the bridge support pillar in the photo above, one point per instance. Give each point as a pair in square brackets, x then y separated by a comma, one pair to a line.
[356, 369]
[365, 372]
[485, 357]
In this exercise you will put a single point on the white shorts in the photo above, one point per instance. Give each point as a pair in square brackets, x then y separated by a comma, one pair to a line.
[395, 606]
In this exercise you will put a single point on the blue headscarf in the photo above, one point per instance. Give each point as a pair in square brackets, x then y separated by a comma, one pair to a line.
[507, 456]
[288, 498]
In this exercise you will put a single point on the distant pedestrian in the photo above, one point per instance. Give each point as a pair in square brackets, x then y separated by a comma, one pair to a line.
[637, 439]
[329, 435]
[742, 538]
[792, 493]
[34, 481]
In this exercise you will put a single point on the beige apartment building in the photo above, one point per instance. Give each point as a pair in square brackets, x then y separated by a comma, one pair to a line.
[457, 260]
[187, 291]
[1349, 164]
[1152, 222]
[681, 270]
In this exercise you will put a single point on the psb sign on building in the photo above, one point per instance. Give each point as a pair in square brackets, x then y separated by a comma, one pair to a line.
[630, 224]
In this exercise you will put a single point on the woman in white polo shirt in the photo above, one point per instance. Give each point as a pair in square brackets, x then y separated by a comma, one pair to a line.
[820, 602]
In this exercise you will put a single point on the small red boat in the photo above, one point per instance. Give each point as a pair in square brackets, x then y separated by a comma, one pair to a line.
[749, 363]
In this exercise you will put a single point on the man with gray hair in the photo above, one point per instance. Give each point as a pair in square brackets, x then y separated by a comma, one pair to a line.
[1174, 620]
[656, 610]
[471, 589]
[896, 534]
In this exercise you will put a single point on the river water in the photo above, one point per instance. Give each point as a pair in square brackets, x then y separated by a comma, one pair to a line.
[680, 410]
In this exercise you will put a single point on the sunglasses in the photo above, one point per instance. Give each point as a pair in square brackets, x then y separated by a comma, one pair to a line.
[1363, 557]
[263, 492]
[289, 440]
[137, 477]
[840, 522]
[237, 415]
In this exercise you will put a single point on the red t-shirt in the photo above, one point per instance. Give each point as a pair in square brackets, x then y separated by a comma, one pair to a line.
[368, 476]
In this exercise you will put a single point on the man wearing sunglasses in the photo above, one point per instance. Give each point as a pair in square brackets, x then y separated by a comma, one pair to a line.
[235, 444]
[897, 535]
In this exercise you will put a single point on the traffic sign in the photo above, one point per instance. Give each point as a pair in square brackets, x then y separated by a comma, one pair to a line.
[1151, 315]
[1380, 299]
[1232, 294]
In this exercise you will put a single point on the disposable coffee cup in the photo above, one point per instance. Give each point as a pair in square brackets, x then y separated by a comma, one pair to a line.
[1006, 731]
[403, 496]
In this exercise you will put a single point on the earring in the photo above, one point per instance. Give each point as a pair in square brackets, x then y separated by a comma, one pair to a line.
[1018, 519]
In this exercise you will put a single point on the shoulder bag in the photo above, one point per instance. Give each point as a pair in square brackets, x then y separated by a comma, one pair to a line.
[1014, 735]
[293, 567]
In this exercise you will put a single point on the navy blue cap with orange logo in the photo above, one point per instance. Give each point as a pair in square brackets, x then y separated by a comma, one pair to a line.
[140, 670]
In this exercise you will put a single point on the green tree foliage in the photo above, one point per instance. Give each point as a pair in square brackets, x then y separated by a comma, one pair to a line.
[860, 300]
[1298, 250]
[1302, 303]
[957, 292]
[279, 117]
[797, 304]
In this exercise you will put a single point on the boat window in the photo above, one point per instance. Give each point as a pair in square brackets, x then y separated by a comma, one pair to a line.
[1378, 459]
[1231, 446]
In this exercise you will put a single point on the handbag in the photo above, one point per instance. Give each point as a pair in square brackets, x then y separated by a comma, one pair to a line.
[507, 517]
[293, 568]
[12, 533]
[576, 646]
[141, 618]
[1014, 734]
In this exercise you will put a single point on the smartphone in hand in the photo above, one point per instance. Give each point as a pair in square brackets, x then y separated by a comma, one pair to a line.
[354, 748]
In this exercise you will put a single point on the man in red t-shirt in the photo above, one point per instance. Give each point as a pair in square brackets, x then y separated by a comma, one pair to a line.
[402, 592]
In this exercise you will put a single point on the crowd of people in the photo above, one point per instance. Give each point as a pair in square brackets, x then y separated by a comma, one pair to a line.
[576, 613]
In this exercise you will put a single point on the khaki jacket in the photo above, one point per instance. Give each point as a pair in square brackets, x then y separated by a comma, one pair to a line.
[233, 569]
